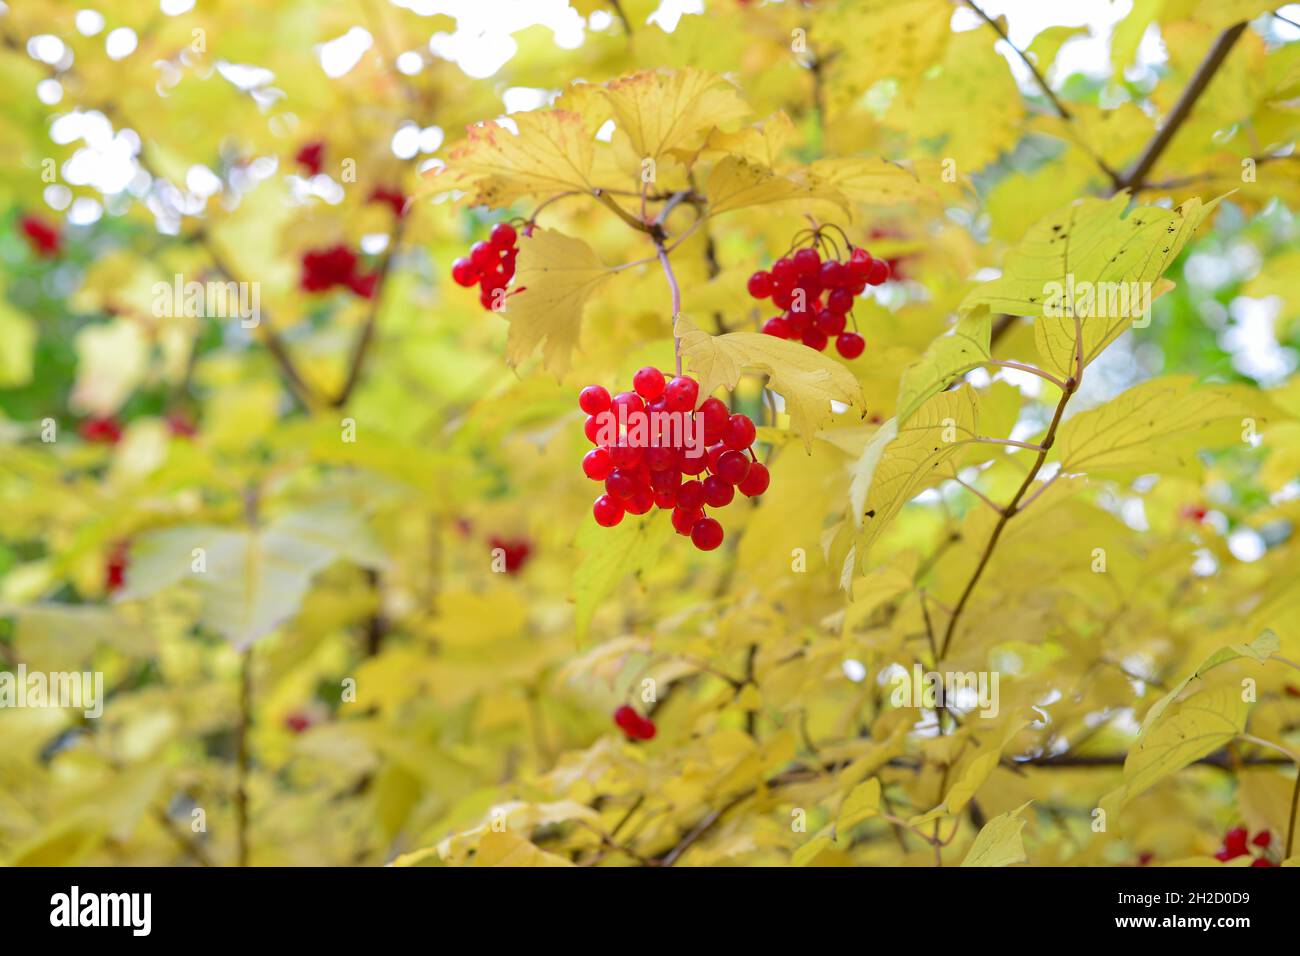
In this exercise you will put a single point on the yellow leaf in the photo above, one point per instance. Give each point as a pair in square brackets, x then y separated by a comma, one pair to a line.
[508, 849]
[948, 358]
[807, 853]
[552, 153]
[862, 803]
[892, 472]
[999, 843]
[18, 335]
[609, 555]
[1089, 245]
[556, 276]
[807, 380]
[1047, 43]
[667, 111]
[1144, 429]
[871, 180]
[736, 182]
[1203, 723]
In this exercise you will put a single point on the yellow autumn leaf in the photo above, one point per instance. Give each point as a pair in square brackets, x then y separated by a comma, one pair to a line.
[948, 358]
[556, 276]
[999, 843]
[1091, 256]
[807, 380]
[1151, 426]
[892, 471]
[609, 555]
[509, 849]
[736, 182]
[671, 111]
[1047, 43]
[871, 180]
[862, 803]
[552, 153]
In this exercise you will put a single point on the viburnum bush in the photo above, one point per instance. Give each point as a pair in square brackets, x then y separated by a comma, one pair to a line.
[354, 406]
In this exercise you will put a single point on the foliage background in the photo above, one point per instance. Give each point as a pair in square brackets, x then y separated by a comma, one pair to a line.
[370, 561]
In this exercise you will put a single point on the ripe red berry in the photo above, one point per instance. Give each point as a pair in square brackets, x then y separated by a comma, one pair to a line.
[627, 719]
[760, 285]
[690, 495]
[104, 430]
[608, 511]
[1262, 839]
[714, 413]
[502, 236]
[756, 481]
[834, 274]
[666, 499]
[784, 272]
[815, 339]
[807, 262]
[464, 273]
[665, 481]
[739, 433]
[310, 156]
[41, 236]
[829, 323]
[733, 467]
[840, 301]
[297, 722]
[1262, 861]
[783, 296]
[717, 493]
[649, 383]
[706, 534]
[593, 400]
[684, 518]
[597, 465]
[681, 393]
[878, 272]
[694, 461]
[849, 344]
[484, 256]
[777, 326]
[115, 567]
[642, 501]
[621, 483]
[598, 423]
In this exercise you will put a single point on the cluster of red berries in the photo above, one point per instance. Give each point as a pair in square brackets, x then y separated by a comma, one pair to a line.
[41, 236]
[1235, 845]
[490, 265]
[311, 157]
[816, 296]
[642, 458]
[633, 724]
[323, 269]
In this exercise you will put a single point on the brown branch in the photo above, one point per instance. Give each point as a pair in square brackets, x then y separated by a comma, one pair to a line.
[361, 348]
[241, 757]
[185, 843]
[1135, 177]
[1290, 822]
[1061, 111]
[1072, 385]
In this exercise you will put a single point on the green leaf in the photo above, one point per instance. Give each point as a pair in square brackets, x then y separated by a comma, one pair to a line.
[609, 555]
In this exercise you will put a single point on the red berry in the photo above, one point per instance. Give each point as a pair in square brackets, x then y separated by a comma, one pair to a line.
[596, 424]
[807, 262]
[593, 400]
[715, 452]
[739, 433]
[649, 383]
[627, 720]
[640, 502]
[690, 495]
[714, 413]
[310, 156]
[663, 482]
[621, 483]
[717, 493]
[760, 285]
[464, 272]
[756, 481]
[297, 722]
[706, 534]
[661, 458]
[608, 511]
[666, 499]
[597, 465]
[684, 519]
[645, 729]
[629, 400]
[105, 430]
[694, 461]
[777, 326]
[1234, 842]
[784, 273]
[814, 339]
[733, 467]
[850, 344]
[799, 322]
[484, 256]
[681, 393]
[840, 301]
[1261, 861]
[834, 274]
[828, 323]
[115, 567]
[782, 296]
[393, 198]
[502, 236]
[515, 551]
[1262, 839]
[878, 272]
